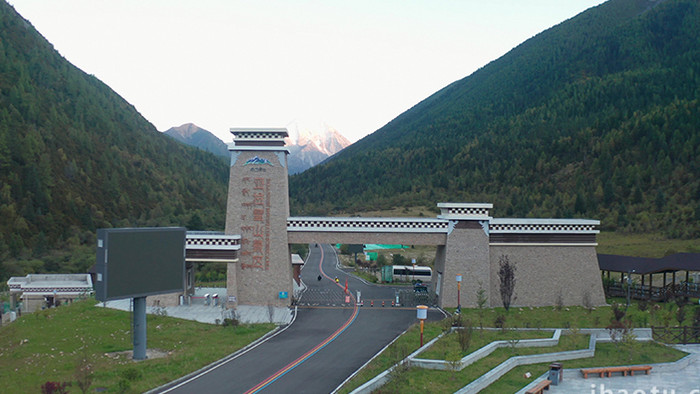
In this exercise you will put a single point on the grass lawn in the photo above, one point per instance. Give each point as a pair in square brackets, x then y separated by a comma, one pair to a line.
[371, 278]
[640, 315]
[445, 346]
[50, 345]
[400, 349]
[644, 245]
[418, 380]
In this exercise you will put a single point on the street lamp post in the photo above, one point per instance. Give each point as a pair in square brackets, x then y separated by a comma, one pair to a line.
[422, 312]
[629, 286]
[459, 285]
[413, 262]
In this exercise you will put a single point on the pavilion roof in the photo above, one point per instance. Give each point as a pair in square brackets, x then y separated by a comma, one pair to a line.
[646, 265]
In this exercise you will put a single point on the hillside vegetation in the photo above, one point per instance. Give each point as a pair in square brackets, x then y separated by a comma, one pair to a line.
[75, 156]
[596, 117]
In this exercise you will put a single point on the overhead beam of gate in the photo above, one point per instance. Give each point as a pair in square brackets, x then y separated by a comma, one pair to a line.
[211, 247]
[407, 231]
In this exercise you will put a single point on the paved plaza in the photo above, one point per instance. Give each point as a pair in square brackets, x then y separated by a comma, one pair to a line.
[211, 313]
[681, 377]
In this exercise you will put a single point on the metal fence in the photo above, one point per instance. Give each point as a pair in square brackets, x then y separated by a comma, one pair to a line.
[654, 293]
[677, 335]
[409, 297]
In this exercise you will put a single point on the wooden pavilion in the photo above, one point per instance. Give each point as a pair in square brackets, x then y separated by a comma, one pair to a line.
[648, 270]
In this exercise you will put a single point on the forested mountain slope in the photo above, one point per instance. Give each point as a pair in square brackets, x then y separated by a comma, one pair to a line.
[596, 117]
[74, 156]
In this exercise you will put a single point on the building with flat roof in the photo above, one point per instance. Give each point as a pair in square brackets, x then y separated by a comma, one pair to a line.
[37, 291]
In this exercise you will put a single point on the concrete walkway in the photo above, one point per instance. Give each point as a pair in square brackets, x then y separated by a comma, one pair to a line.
[213, 314]
[680, 377]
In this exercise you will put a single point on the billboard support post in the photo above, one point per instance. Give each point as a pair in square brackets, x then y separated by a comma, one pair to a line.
[138, 262]
[139, 328]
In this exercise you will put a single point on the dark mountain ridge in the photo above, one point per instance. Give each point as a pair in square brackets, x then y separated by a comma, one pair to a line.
[307, 146]
[196, 136]
[75, 156]
[595, 117]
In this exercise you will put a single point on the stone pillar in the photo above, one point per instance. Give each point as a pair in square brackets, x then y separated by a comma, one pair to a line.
[466, 253]
[257, 209]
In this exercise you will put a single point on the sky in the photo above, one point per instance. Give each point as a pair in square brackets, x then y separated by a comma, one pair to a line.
[353, 65]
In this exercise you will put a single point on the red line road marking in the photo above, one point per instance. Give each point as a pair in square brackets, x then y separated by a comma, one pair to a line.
[316, 348]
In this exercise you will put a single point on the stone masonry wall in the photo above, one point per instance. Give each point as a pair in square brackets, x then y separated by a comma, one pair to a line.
[546, 274]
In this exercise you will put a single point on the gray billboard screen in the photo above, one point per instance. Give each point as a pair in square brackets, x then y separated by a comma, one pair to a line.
[138, 262]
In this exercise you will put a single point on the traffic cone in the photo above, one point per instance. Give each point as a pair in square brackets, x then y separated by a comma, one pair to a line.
[371, 304]
[382, 304]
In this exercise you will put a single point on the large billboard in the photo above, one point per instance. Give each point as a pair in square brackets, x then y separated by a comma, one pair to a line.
[138, 262]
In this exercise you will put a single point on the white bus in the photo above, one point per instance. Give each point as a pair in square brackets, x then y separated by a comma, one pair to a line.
[407, 273]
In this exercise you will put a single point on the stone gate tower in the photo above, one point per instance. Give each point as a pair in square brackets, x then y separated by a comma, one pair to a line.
[257, 209]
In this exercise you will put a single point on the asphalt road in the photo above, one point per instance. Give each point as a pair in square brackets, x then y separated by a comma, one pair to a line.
[324, 345]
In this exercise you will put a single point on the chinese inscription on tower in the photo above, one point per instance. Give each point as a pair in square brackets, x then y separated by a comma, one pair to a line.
[255, 237]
